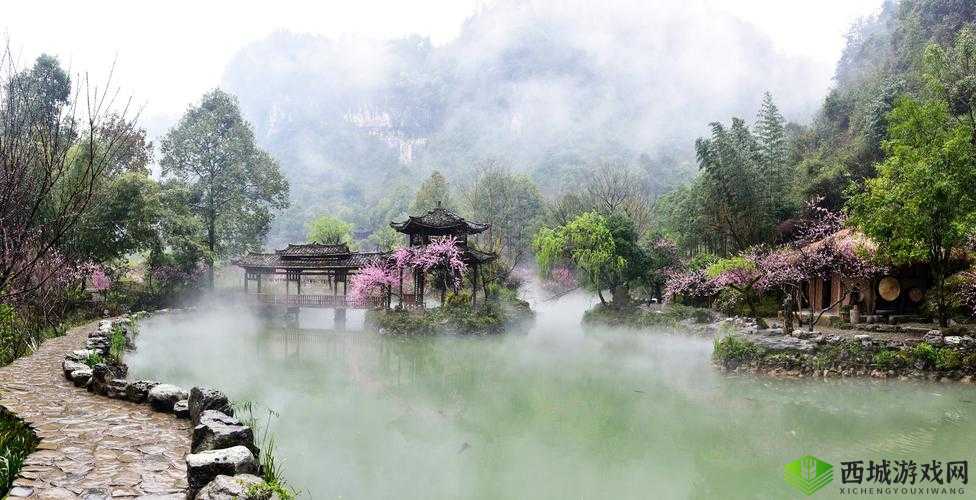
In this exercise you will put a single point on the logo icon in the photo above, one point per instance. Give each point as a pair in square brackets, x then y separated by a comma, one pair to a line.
[808, 474]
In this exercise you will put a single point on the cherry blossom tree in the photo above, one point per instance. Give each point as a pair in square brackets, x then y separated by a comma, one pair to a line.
[444, 254]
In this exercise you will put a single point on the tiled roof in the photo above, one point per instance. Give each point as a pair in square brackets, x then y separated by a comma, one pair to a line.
[338, 261]
[313, 250]
[441, 221]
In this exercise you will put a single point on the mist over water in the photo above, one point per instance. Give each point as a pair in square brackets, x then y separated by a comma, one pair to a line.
[554, 412]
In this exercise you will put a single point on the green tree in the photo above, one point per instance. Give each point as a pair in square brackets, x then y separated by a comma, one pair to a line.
[386, 239]
[236, 184]
[922, 205]
[774, 162]
[951, 76]
[511, 203]
[732, 201]
[328, 230]
[432, 193]
[604, 248]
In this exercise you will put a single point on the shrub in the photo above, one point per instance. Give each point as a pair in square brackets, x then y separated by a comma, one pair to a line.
[17, 441]
[889, 360]
[969, 361]
[93, 359]
[827, 357]
[734, 348]
[923, 353]
[947, 358]
[117, 345]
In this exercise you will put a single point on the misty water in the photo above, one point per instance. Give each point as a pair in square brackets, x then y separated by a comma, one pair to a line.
[554, 412]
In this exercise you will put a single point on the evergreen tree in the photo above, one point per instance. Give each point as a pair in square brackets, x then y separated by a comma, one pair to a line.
[770, 133]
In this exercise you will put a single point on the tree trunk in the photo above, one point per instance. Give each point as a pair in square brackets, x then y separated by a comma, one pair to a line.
[620, 296]
[599, 293]
[939, 271]
[211, 244]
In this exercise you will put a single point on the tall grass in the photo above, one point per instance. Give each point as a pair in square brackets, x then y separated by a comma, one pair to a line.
[272, 470]
[117, 344]
[17, 440]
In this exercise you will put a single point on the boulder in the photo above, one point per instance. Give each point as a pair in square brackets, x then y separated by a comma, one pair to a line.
[81, 377]
[138, 391]
[782, 343]
[182, 409]
[203, 399]
[217, 430]
[70, 366]
[80, 355]
[231, 488]
[101, 345]
[117, 388]
[163, 397]
[934, 338]
[103, 373]
[204, 467]
[958, 340]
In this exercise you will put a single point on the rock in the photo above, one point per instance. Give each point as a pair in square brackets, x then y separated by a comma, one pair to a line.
[231, 487]
[934, 337]
[81, 377]
[203, 399]
[958, 340]
[80, 355]
[116, 389]
[783, 343]
[182, 409]
[204, 467]
[163, 397]
[20, 492]
[862, 338]
[70, 366]
[103, 373]
[138, 391]
[217, 430]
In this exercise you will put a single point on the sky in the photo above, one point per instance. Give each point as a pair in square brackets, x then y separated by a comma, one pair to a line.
[167, 54]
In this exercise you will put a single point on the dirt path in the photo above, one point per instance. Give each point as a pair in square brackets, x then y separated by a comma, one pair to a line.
[91, 446]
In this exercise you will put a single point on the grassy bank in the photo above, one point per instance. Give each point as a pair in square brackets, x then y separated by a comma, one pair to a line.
[831, 356]
[456, 316]
[672, 317]
[17, 440]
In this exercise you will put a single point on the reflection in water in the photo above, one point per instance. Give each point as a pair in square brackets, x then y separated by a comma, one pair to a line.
[556, 413]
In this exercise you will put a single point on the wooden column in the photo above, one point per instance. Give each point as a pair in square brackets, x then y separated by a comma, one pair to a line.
[299, 283]
[401, 288]
[259, 282]
[474, 286]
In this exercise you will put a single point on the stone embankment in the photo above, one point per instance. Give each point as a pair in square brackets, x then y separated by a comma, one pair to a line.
[935, 355]
[120, 438]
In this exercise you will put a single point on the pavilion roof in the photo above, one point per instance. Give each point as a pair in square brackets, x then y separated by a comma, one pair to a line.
[439, 221]
[313, 250]
[334, 261]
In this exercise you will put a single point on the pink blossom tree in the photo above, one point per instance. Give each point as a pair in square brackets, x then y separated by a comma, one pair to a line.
[444, 254]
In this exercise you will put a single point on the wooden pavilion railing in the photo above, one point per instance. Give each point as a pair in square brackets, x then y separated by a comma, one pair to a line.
[322, 301]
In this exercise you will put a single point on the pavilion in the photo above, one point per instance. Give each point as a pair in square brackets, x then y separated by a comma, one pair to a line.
[335, 263]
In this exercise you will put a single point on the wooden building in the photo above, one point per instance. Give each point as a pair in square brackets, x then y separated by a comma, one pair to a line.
[334, 264]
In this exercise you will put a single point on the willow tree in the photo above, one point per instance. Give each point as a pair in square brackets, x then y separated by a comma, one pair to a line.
[236, 185]
[604, 249]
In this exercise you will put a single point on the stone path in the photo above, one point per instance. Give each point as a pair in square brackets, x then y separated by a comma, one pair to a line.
[91, 446]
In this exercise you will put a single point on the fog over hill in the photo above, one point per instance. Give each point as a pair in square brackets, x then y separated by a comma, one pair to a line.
[542, 87]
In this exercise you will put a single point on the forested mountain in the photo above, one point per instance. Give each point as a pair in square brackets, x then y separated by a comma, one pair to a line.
[882, 61]
[546, 90]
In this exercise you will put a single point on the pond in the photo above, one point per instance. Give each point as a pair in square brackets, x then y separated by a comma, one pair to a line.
[554, 412]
